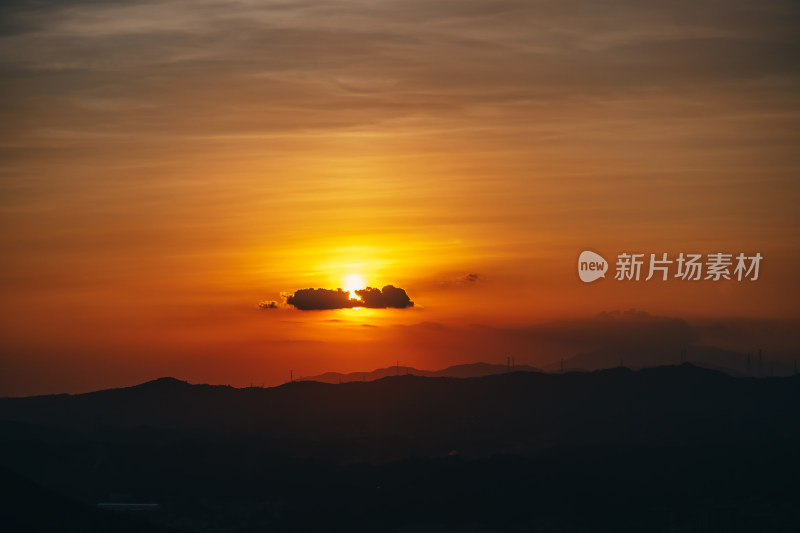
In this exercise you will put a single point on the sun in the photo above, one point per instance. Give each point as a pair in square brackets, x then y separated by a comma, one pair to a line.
[352, 282]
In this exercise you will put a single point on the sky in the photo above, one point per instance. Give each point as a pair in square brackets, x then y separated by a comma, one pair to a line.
[165, 167]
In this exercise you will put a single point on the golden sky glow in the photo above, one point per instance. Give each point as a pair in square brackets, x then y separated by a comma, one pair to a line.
[167, 166]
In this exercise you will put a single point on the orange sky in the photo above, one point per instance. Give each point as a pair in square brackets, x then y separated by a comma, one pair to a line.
[167, 166]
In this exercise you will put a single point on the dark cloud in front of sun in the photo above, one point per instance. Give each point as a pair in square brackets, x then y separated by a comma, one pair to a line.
[389, 296]
[373, 298]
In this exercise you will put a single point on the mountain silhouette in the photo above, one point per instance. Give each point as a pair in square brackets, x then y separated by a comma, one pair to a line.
[635, 356]
[470, 370]
[510, 412]
[674, 448]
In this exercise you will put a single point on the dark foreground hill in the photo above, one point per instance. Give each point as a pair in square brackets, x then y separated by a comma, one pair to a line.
[665, 449]
[31, 508]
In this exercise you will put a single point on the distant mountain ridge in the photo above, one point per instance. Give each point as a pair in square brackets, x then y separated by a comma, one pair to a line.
[469, 370]
[635, 356]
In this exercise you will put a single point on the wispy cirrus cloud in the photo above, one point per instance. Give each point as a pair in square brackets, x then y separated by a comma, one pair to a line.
[311, 65]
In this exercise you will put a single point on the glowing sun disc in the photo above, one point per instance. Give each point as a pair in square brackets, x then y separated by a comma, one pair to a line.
[352, 282]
